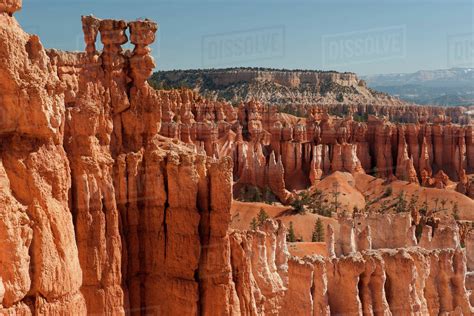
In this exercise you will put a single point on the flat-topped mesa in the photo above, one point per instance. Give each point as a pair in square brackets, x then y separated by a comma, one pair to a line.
[281, 87]
[10, 6]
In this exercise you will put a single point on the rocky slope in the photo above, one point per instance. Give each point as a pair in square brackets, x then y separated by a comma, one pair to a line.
[100, 214]
[278, 87]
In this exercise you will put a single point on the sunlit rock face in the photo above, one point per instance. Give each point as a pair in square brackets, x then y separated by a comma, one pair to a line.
[281, 152]
[10, 6]
[115, 198]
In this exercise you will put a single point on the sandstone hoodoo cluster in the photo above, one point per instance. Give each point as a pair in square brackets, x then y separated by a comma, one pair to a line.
[282, 152]
[115, 197]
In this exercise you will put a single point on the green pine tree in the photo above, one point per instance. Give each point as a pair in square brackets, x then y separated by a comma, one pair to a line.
[412, 205]
[243, 193]
[318, 232]
[258, 195]
[424, 208]
[253, 224]
[315, 203]
[401, 203]
[335, 193]
[299, 203]
[388, 192]
[291, 237]
[375, 172]
[262, 216]
[267, 195]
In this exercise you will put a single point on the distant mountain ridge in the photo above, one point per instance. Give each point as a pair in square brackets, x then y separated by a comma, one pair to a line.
[273, 86]
[450, 87]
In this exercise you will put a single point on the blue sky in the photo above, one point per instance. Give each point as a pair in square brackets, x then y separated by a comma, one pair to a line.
[365, 36]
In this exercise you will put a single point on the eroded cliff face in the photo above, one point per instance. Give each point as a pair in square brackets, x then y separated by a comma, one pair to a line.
[108, 205]
[403, 281]
[281, 153]
[150, 213]
[102, 215]
[37, 235]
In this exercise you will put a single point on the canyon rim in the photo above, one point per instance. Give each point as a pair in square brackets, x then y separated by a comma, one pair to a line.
[118, 198]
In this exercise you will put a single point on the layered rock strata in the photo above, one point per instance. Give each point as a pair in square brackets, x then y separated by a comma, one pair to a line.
[280, 87]
[366, 232]
[100, 214]
[37, 237]
[298, 152]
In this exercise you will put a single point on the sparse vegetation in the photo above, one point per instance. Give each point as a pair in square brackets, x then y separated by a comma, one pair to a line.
[253, 224]
[318, 232]
[375, 172]
[268, 196]
[269, 91]
[255, 194]
[443, 205]
[436, 205]
[397, 204]
[249, 193]
[355, 210]
[424, 208]
[412, 204]
[262, 216]
[384, 206]
[317, 204]
[290, 236]
[388, 192]
[360, 118]
[401, 203]
[335, 195]
[313, 202]
[258, 221]
[298, 204]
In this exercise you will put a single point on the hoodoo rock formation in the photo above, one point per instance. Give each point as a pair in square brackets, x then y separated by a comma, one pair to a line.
[282, 152]
[115, 198]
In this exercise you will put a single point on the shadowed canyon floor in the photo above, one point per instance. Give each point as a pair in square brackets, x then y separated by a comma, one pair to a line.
[116, 198]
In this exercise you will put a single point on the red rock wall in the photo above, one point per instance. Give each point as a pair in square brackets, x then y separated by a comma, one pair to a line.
[258, 138]
[102, 215]
[398, 282]
[38, 245]
[150, 217]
